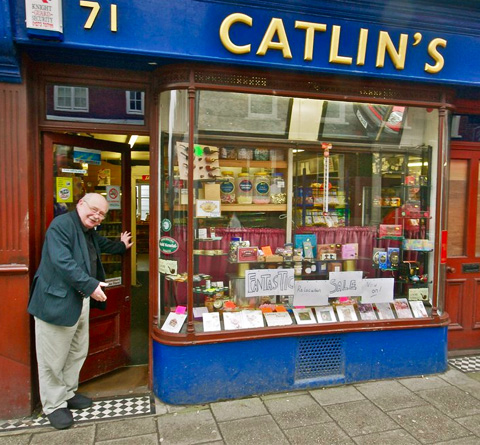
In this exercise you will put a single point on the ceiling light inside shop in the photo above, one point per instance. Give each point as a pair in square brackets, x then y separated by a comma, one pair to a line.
[132, 140]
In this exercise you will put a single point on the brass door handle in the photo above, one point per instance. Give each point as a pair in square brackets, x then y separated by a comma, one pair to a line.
[451, 269]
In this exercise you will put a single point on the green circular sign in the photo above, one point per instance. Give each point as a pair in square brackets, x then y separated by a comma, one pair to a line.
[166, 225]
[168, 245]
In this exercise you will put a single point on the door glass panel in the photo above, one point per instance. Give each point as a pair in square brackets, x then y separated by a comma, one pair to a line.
[477, 232]
[77, 171]
[457, 207]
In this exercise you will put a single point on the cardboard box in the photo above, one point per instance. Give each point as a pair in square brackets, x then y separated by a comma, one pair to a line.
[247, 254]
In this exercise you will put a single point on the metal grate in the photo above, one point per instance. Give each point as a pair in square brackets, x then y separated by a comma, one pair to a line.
[319, 357]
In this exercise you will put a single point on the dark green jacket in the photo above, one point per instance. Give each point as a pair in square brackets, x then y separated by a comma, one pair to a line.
[63, 278]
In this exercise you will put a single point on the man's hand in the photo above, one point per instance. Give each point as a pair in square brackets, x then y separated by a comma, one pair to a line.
[126, 238]
[98, 293]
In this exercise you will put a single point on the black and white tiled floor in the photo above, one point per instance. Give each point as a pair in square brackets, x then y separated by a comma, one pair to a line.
[469, 363]
[101, 409]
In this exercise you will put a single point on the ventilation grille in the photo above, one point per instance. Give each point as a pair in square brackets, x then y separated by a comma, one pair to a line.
[319, 357]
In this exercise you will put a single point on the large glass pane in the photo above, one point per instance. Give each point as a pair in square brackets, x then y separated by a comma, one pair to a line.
[308, 211]
[173, 200]
[78, 171]
[457, 207]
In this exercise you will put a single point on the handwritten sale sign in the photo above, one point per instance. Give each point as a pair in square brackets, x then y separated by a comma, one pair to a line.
[268, 282]
[377, 290]
[311, 293]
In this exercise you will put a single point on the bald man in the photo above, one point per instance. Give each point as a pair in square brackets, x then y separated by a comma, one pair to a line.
[69, 280]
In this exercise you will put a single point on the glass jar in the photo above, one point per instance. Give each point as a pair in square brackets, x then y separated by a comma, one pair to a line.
[261, 188]
[228, 153]
[245, 153]
[261, 154]
[227, 188]
[278, 194]
[244, 188]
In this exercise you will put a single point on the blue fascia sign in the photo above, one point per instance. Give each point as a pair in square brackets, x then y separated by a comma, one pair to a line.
[242, 35]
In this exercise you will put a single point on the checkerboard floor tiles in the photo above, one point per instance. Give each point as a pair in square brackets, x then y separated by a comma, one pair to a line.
[101, 409]
[469, 363]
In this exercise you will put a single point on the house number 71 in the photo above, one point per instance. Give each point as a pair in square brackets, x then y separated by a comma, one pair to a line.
[95, 6]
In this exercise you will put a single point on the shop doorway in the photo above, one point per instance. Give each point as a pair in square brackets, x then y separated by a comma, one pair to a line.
[119, 335]
[463, 250]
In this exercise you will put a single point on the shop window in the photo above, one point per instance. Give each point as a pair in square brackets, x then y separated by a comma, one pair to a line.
[263, 107]
[466, 128]
[325, 214]
[143, 201]
[135, 102]
[71, 98]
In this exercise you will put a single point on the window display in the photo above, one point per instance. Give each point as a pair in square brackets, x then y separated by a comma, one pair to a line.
[331, 220]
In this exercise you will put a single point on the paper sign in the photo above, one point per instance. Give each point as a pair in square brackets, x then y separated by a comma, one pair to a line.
[208, 209]
[180, 309]
[345, 284]
[311, 293]
[44, 15]
[64, 189]
[377, 290]
[87, 156]
[168, 267]
[267, 282]
[113, 197]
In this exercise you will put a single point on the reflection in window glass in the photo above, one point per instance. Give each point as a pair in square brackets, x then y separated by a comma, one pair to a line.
[94, 104]
[294, 197]
[457, 207]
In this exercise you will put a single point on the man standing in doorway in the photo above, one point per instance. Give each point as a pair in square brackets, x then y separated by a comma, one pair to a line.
[69, 280]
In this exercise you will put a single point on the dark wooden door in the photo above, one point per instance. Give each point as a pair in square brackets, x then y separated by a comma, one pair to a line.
[80, 165]
[463, 249]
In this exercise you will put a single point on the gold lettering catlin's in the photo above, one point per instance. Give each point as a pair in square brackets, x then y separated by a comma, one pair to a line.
[275, 38]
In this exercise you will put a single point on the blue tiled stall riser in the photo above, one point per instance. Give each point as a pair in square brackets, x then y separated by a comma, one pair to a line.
[210, 372]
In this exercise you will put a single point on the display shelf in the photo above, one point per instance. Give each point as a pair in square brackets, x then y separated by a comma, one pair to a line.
[252, 164]
[254, 207]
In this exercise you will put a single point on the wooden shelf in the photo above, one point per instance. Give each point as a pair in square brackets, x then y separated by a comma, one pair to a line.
[252, 164]
[254, 207]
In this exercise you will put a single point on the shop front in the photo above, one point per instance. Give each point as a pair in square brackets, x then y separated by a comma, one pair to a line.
[298, 234]
[298, 181]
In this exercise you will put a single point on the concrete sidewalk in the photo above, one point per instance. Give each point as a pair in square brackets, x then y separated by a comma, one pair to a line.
[438, 409]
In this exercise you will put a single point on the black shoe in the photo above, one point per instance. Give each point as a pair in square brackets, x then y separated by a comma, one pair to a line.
[78, 401]
[61, 418]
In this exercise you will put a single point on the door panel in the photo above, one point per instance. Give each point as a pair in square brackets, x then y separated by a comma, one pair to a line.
[81, 165]
[463, 260]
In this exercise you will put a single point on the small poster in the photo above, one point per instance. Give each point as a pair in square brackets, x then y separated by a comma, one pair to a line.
[325, 314]
[252, 319]
[304, 316]
[346, 312]
[211, 322]
[64, 189]
[104, 176]
[87, 156]
[311, 293]
[113, 197]
[278, 318]
[208, 209]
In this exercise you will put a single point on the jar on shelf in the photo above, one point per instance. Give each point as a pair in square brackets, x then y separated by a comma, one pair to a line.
[227, 188]
[244, 188]
[245, 154]
[261, 188]
[278, 193]
[228, 153]
[277, 154]
[261, 154]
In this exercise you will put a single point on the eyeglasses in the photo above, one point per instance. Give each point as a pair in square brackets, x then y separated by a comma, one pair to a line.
[97, 212]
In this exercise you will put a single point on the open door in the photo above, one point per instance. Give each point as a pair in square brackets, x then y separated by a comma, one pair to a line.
[74, 166]
[463, 250]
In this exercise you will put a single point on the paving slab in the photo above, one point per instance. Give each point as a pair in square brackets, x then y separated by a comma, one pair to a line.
[472, 423]
[395, 437]
[147, 439]
[291, 412]
[188, 427]
[389, 395]
[324, 434]
[472, 440]
[126, 428]
[361, 417]
[452, 401]
[333, 396]
[254, 430]
[425, 382]
[83, 435]
[15, 439]
[238, 409]
[429, 425]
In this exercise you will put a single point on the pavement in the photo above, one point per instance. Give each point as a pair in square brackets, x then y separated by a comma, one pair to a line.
[436, 409]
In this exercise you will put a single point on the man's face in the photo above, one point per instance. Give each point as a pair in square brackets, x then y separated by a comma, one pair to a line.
[93, 211]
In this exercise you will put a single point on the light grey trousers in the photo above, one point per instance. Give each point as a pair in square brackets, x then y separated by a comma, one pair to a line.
[61, 352]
